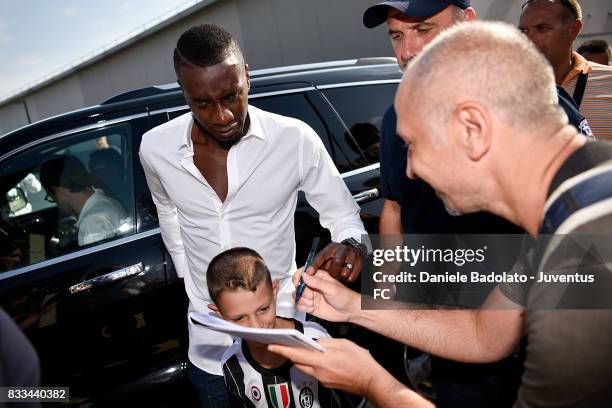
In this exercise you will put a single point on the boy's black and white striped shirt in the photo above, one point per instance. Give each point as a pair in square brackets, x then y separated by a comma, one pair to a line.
[253, 386]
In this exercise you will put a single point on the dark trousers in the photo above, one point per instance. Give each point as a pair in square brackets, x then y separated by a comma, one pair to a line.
[210, 388]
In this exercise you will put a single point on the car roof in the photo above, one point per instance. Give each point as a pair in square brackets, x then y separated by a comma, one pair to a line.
[316, 75]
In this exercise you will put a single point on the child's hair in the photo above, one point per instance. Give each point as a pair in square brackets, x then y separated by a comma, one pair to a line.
[236, 268]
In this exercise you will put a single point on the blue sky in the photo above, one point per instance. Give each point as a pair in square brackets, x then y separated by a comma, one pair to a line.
[38, 38]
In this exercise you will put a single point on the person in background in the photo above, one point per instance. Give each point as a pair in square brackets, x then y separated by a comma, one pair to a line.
[469, 136]
[72, 187]
[553, 25]
[596, 51]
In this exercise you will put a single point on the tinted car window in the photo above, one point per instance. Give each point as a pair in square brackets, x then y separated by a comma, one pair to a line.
[66, 194]
[296, 106]
[362, 108]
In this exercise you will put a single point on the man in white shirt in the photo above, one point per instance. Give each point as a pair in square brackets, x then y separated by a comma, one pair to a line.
[70, 185]
[227, 174]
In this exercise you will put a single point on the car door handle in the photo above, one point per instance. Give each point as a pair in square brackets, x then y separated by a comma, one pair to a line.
[114, 276]
[367, 195]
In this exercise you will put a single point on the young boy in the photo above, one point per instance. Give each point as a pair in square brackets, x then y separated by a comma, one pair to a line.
[243, 292]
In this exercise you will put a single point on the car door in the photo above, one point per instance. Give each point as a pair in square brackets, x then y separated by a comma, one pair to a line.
[93, 308]
[361, 107]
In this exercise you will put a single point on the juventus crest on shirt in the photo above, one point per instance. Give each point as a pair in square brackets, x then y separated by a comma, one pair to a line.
[253, 386]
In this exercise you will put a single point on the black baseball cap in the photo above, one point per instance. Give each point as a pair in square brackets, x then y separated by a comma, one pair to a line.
[377, 14]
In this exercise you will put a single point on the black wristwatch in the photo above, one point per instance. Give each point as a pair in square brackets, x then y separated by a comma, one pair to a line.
[353, 243]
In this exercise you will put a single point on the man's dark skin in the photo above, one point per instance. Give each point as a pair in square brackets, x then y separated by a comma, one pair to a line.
[218, 98]
[220, 114]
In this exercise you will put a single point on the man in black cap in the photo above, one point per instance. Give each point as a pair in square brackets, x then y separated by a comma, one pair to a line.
[411, 206]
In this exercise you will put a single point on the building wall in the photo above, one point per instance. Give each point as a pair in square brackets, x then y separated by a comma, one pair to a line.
[271, 33]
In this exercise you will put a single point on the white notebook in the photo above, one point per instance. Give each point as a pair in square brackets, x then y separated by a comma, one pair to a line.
[286, 337]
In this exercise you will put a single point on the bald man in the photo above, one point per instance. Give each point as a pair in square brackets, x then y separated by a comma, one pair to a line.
[482, 145]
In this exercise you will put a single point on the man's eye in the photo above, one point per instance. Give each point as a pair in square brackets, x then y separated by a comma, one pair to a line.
[423, 30]
[396, 37]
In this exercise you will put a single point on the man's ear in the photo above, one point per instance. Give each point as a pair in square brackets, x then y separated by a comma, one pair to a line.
[469, 14]
[248, 75]
[575, 28]
[473, 123]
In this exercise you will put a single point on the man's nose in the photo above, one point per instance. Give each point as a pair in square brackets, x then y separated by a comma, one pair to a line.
[410, 48]
[222, 115]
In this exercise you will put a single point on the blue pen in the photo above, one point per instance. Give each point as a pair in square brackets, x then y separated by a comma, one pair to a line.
[309, 259]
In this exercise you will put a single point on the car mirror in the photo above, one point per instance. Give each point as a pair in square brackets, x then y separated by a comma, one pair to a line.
[16, 199]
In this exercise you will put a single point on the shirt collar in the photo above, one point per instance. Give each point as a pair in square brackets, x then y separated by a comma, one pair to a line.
[255, 127]
[579, 66]
[255, 130]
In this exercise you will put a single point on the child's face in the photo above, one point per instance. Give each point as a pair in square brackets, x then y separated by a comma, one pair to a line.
[250, 309]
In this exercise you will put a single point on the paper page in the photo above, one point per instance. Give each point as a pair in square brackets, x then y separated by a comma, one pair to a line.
[287, 337]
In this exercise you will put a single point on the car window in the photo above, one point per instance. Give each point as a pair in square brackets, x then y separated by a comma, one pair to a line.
[294, 105]
[362, 108]
[66, 194]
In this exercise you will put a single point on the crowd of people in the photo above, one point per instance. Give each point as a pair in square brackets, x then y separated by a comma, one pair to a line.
[484, 112]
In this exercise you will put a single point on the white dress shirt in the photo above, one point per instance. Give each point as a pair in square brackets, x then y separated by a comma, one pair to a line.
[101, 217]
[278, 157]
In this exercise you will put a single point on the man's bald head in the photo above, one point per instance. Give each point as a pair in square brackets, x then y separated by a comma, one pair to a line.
[491, 63]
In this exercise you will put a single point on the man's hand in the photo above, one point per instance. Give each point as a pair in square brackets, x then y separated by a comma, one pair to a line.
[344, 365]
[326, 298]
[341, 261]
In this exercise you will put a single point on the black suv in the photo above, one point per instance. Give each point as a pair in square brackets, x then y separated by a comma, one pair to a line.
[108, 319]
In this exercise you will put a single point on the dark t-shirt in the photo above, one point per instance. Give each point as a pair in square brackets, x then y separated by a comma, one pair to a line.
[569, 351]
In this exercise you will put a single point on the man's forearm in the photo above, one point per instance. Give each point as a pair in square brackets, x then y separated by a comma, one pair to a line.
[390, 219]
[385, 391]
[477, 336]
